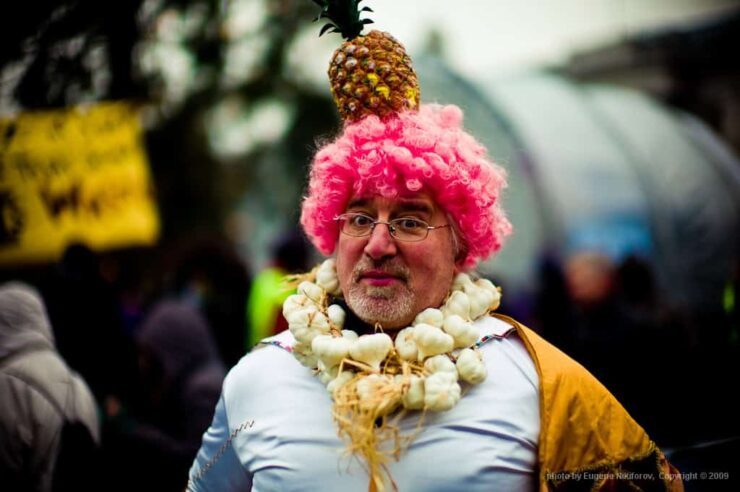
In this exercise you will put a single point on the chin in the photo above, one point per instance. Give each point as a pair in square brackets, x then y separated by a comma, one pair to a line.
[391, 312]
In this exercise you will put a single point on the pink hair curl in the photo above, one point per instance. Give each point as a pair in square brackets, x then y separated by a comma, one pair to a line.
[411, 151]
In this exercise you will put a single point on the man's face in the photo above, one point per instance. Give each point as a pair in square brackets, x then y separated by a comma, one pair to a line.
[388, 281]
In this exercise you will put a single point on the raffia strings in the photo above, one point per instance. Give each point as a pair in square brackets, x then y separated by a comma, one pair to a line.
[368, 423]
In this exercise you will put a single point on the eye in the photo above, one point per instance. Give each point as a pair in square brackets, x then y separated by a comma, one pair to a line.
[409, 224]
[360, 221]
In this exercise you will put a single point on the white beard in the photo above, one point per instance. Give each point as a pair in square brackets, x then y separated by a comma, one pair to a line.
[390, 306]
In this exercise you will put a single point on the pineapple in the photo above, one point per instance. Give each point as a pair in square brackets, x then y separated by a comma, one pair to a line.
[369, 74]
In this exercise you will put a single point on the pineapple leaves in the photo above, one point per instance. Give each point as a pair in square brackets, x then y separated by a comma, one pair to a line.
[344, 16]
[326, 28]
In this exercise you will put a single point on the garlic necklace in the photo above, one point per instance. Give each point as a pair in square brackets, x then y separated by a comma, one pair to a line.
[446, 334]
[370, 376]
[323, 345]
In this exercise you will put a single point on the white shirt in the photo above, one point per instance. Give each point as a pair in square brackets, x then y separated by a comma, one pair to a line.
[287, 441]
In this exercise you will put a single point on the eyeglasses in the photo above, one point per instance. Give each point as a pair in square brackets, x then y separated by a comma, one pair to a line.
[404, 228]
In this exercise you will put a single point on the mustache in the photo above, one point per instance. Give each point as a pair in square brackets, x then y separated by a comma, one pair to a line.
[391, 267]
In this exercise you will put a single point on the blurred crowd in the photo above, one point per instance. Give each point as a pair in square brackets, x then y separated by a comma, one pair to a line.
[120, 357]
[146, 337]
[672, 369]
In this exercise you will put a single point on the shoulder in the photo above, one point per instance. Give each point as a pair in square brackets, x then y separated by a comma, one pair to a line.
[31, 416]
[505, 351]
[51, 388]
[260, 370]
[492, 327]
[27, 399]
[42, 376]
[576, 406]
[551, 362]
[564, 380]
[271, 351]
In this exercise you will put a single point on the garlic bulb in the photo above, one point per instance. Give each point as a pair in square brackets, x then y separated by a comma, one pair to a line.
[464, 332]
[331, 350]
[370, 386]
[470, 366]
[429, 316]
[327, 373]
[480, 299]
[303, 334]
[405, 344]
[413, 396]
[431, 340]
[441, 391]
[459, 304]
[294, 303]
[302, 316]
[336, 315]
[372, 349]
[461, 281]
[343, 378]
[487, 285]
[350, 335]
[440, 363]
[326, 277]
[302, 352]
[311, 290]
[305, 324]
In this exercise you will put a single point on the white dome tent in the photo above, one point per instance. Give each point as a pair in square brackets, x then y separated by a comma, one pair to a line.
[607, 169]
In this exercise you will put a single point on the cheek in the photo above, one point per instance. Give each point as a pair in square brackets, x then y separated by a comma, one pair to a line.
[433, 266]
[346, 259]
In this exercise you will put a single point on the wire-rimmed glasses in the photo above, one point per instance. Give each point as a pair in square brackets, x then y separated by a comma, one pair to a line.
[407, 229]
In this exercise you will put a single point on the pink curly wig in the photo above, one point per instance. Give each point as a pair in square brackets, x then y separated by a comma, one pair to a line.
[411, 151]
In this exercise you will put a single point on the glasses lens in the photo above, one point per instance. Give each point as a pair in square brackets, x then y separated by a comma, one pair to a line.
[408, 229]
[356, 224]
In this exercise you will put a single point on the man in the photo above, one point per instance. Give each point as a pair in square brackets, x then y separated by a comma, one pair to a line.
[407, 204]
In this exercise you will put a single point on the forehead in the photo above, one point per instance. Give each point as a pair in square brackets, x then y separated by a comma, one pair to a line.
[417, 201]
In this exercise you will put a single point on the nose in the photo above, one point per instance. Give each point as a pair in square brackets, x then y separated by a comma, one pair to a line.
[380, 244]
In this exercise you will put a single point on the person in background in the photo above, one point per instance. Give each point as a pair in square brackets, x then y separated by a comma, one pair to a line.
[180, 376]
[49, 429]
[209, 275]
[269, 290]
[86, 317]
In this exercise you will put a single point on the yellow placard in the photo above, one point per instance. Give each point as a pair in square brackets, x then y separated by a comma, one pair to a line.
[76, 175]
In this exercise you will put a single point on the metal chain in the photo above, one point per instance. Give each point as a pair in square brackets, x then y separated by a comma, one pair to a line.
[244, 425]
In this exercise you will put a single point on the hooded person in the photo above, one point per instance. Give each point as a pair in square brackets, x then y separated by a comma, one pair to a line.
[396, 372]
[49, 428]
[180, 380]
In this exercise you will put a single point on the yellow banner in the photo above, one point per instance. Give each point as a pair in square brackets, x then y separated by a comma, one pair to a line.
[76, 175]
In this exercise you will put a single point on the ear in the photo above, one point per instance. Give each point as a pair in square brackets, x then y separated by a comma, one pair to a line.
[459, 248]
[460, 255]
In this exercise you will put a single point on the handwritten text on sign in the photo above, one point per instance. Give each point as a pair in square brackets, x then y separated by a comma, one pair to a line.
[73, 175]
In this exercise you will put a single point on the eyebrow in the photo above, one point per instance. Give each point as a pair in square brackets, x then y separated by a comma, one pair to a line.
[416, 206]
[405, 205]
[359, 202]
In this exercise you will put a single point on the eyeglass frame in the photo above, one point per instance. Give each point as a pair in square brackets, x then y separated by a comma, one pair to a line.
[391, 226]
